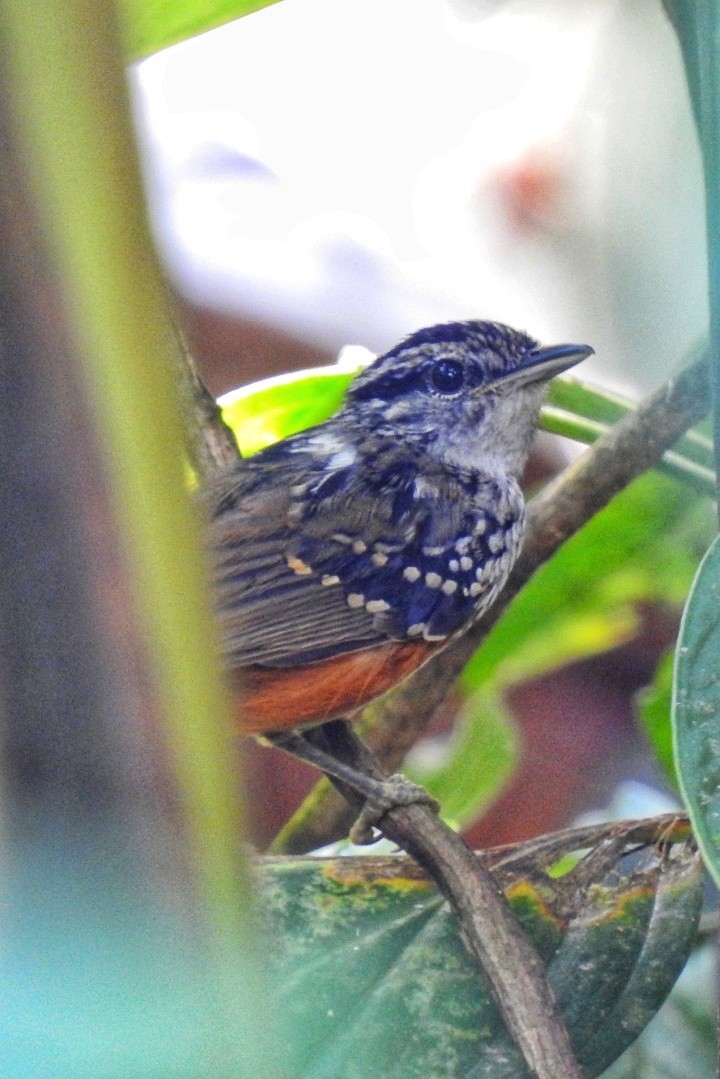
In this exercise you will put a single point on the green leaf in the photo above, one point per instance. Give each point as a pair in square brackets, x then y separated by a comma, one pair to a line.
[682, 1034]
[653, 707]
[696, 707]
[376, 981]
[154, 24]
[480, 759]
[275, 408]
[697, 24]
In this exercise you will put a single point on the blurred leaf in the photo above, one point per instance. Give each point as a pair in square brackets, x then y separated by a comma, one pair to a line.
[697, 25]
[696, 707]
[682, 1034]
[653, 706]
[66, 102]
[153, 24]
[602, 407]
[479, 760]
[368, 946]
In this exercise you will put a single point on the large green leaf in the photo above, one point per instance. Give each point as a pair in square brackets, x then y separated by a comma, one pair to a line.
[153, 24]
[696, 707]
[377, 982]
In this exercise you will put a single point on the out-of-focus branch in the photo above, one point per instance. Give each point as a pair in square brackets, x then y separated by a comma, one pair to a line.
[209, 442]
[393, 725]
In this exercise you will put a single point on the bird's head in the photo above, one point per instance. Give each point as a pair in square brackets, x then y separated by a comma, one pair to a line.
[468, 393]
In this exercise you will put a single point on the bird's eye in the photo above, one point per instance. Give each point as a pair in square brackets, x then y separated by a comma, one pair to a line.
[448, 376]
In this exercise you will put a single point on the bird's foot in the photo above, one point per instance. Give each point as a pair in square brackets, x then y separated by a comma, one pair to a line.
[396, 791]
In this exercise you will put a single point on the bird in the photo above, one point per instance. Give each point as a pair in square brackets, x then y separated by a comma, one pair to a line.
[345, 556]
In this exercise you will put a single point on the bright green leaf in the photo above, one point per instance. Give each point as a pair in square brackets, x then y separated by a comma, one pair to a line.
[151, 25]
[275, 408]
[696, 707]
[653, 706]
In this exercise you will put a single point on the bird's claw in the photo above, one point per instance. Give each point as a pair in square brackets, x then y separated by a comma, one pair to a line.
[397, 791]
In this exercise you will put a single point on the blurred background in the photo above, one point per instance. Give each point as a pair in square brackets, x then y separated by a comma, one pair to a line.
[333, 172]
[321, 173]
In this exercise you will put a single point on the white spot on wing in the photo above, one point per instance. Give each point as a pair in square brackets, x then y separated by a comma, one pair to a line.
[496, 542]
[343, 458]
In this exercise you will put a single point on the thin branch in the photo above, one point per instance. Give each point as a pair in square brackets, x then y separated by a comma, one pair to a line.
[209, 442]
[393, 725]
[514, 973]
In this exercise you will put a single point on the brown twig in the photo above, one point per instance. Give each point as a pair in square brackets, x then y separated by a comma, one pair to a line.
[393, 725]
[490, 931]
[209, 442]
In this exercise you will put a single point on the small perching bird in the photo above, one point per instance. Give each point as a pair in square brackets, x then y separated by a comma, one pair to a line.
[345, 556]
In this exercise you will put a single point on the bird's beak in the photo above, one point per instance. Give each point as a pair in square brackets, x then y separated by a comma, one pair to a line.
[540, 365]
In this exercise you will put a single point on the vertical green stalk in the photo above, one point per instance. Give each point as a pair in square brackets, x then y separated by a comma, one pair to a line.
[72, 115]
[697, 23]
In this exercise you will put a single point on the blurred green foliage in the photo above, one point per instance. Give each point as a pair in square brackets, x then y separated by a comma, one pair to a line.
[653, 708]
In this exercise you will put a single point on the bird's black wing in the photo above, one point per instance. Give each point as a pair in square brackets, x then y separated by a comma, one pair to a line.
[341, 559]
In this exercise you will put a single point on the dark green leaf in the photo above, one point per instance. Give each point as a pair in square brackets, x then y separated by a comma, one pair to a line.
[680, 1042]
[376, 980]
[696, 707]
